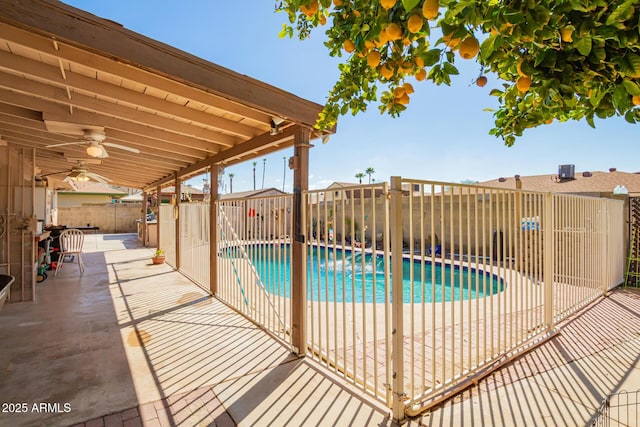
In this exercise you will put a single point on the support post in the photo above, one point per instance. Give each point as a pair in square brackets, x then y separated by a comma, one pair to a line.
[159, 203]
[548, 260]
[397, 318]
[176, 215]
[144, 218]
[213, 231]
[300, 166]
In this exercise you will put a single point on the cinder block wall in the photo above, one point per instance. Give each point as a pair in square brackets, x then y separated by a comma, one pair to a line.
[111, 217]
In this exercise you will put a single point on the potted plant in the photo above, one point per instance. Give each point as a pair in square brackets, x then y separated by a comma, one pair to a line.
[158, 256]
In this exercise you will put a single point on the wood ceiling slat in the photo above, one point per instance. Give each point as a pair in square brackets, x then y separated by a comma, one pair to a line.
[129, 47]
[76, 55]
[54, 94]
[64, 65]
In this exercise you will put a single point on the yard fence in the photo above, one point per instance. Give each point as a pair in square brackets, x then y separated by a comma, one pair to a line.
[482, 274]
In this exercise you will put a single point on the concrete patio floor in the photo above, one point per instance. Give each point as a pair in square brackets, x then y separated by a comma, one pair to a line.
[130, 343]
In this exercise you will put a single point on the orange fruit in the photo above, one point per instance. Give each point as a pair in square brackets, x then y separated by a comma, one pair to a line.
[419, 62]
[635, 99]
[322, 19]
[373, 59]
[519, 69]
[566, 34]
[469, 47]
[421, 75]
[349, 46]
[337, 2]
[394, 32]
[451, 42]
[406, 66]
[481, 81]
[548, 121]
[430, 9]
[387, 4]
[386, 71]
[398, 92]
[408, 88]
[523, 84]
[310, 9]
[404, 99]
[414, 23]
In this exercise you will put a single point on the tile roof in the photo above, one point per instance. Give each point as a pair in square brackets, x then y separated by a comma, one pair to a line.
[597, 182]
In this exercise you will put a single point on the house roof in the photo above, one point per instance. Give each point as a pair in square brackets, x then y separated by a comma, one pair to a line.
[66, 72]
[135, 197]
[252, 193]
[185, 189]
[90, 187]
[597, 182]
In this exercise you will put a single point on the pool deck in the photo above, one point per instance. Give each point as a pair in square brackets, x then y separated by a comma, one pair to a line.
[134, 344]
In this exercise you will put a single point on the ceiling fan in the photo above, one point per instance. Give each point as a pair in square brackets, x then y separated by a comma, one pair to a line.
[96, 141]
[80, 173]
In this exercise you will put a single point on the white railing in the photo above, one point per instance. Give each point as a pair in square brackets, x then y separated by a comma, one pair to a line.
[254, 259]
[502, 266]
[168, 233]
[482, 273]
[194, 242]
[348, 288]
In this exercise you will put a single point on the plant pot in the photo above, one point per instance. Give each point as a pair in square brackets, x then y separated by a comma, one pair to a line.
[158, 259]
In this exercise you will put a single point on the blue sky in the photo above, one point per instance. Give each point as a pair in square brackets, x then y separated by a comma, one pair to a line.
[444, 135]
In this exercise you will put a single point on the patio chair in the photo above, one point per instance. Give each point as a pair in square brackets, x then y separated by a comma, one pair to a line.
[71, 241]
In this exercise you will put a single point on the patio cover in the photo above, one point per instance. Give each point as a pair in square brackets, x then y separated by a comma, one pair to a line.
[63, 70]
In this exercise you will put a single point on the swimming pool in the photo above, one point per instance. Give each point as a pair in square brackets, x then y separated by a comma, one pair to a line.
[334, 274]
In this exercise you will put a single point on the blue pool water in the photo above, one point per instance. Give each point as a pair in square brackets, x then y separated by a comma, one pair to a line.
[330, 276]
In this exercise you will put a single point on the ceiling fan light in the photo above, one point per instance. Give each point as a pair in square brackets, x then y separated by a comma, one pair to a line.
[94, 150]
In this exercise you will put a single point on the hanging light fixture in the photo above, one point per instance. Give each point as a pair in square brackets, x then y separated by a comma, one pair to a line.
[94, 149]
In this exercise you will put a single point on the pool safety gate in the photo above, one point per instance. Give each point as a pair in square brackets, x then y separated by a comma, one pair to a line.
[550, 254]
[618, 409]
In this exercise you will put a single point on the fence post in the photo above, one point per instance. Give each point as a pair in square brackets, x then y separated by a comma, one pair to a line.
[604, 234]
[177, 191]
[300, 166]
[213, 230]
[144, 219]
[548, 260]
[397, 319]
[158, 204]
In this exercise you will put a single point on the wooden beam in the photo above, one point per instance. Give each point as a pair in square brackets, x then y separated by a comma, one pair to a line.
[81, 29]
[201, 138]
[42, 71]
[256, 144]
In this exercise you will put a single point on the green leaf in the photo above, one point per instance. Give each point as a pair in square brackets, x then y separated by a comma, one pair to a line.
[631, 65]
[488, 47]
[630, 117]
[632, 88]
[621, 13]
[431, 57]
[410, 4]
[584, 46]
[496, 92]
[450, 69]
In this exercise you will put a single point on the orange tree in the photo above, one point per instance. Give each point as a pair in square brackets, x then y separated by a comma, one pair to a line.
[555, 59]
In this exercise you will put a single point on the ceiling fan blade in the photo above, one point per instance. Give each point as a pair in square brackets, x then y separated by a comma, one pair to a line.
[122, 147]
[97, 177]
[74, 174]
[65, 143]
[55, 173]
[103, 154]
